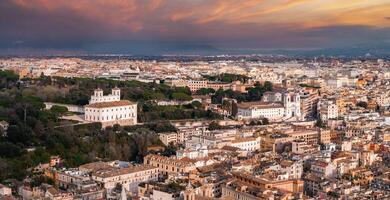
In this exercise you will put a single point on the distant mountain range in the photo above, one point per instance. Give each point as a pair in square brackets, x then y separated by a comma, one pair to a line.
[380, 50]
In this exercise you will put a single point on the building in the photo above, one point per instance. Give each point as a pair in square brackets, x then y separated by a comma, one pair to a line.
[110, 110]
[323, 169]
[291, 102]
[275, 142]
[129, 176]
[71, 108]
[310, 136]
[169, 165]
[292, 169]
[327, 109]
[302, 147]
[195, 85]
[257, 110]
[293, 186]
[309, 102]
[5, 191]
[168, 138]
[246, 144]
[98, 96]
[325, 136]
[69, 178]
[316, 184]
[159, 191]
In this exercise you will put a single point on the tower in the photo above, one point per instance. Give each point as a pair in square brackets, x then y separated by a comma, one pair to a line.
[98, 92]
[292, 104]
[116, 92]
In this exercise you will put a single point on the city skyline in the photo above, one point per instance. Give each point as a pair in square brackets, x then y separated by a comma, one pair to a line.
[161, 26]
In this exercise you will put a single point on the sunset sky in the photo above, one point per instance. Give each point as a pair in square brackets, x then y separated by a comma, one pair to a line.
[125, 25]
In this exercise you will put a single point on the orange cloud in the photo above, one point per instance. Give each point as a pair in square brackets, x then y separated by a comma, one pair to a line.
[135, 15]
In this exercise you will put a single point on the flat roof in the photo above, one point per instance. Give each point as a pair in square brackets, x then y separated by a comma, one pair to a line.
[257, 104]
[110, 104]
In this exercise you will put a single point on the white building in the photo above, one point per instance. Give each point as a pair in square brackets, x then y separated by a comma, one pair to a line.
[110, 110]
[291, 102]
[246, 144]
[99, 97]
[256, 110]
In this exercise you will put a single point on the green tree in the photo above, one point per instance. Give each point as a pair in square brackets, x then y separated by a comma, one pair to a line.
[268, 86]
[214, 126]
[181, 96]
[205, 91]
[362, 104]
[59, 110]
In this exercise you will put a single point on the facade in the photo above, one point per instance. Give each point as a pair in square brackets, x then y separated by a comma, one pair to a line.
[110, 110]
[168, 165]
[327, 109]
[292, 104]
[323, 169]
[256, 110]
[71, 108]
[311, 136]
[70, 178]
[168, 138]
[290, 100]
[275, 142]
[247, 144]
[129, 177]
[195, 85]
[99, 97]
[292, 186]
[302, 147]
[293, 169]
[309, 102]
[325, 136]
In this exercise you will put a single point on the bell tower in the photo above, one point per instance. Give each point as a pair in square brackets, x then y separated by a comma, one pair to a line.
[116, 91]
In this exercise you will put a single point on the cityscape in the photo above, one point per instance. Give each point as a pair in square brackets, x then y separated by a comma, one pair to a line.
[194, 100]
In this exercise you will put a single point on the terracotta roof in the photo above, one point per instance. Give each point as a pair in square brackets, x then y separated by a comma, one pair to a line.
[286, 163]
[110, 104]
[230, 148]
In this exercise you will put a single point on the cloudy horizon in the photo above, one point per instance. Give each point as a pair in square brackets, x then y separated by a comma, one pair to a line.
[142, 26]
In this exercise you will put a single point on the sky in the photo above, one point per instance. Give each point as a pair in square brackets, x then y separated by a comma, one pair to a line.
[159, 26]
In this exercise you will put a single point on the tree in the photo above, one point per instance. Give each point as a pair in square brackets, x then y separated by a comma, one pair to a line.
[196, 104]
[362, 104]
[9, 150]
[268, 86]
[19, 134]
[59, 110]
[320, 123]
[8, 78]
[205, 91]
[181, 96]
[214, 126]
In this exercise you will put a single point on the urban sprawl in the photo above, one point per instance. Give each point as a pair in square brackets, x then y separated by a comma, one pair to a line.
[239, 129]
